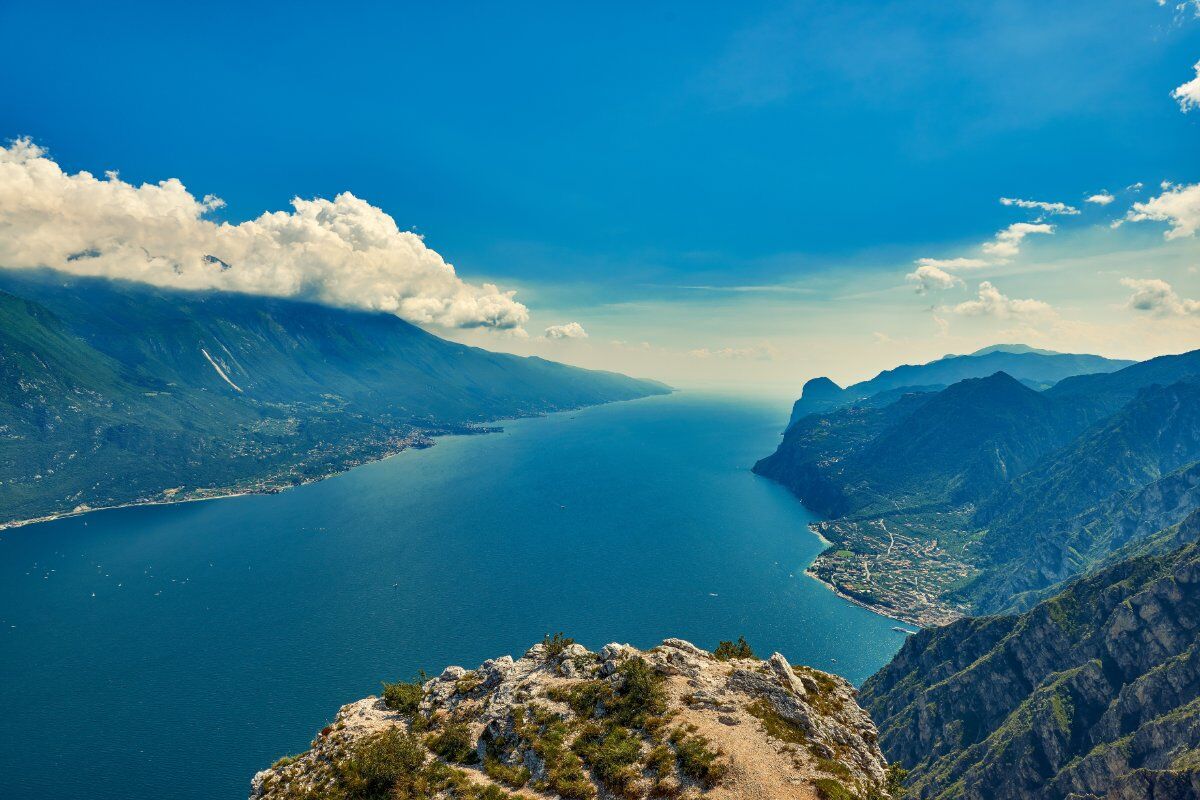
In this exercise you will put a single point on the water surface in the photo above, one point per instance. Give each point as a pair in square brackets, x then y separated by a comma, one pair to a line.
[171, 651]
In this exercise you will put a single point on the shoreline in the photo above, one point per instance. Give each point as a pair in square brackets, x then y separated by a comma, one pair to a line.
[225, 493]
[917, 620]
[862, 603]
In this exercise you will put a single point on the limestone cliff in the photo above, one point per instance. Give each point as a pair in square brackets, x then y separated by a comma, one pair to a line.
[673, 721]
[1093, 693]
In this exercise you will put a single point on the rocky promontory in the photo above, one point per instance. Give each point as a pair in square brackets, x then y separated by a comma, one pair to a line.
[674, 721]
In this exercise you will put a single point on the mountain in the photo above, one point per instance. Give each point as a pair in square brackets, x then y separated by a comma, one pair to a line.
[958, 444]
[1073, 500]
[1037, 368]
[979, 496]
[672, 721]
[113, 393]
[1094, 692]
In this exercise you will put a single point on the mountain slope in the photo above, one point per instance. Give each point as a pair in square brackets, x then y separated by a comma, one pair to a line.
[1038, 368]
[673, 721]
[1093, 691]
[986, 493]
[115, 392]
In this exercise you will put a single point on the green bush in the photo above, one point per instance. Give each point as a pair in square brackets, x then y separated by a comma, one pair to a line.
[454, 743]
[612, 753]
[381, 765]
[557, 644]
[641, 694]
[830, 789]
[727, 650]
[698, 760]
[513, 775]
[403, 697]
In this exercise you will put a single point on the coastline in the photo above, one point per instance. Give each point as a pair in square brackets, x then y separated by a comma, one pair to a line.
[882, 611]
[926, 618]
[422, 439]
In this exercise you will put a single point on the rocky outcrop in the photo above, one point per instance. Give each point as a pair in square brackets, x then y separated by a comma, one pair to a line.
[1093, 693]
[673, 721]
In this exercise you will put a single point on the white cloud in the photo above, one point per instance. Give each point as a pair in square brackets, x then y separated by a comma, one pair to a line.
[762, 353]
[943, 326]
[991, 303]
[953, 263]
[342, 252]
[928, 278]
[1007, 242]
[571, 330]
[1049, 208]
[1100, 198]
[1188, 94]
[1158, 297]
[1179, 206]
[1135, 187]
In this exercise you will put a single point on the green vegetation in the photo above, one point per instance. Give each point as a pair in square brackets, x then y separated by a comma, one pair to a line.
[727, 650]
[555, 645]
[468, 682]
[404, 697]
[547, 735]
[776, 726]
[380, 766]
[513, 775]
[830, 789]
[454, 743]
[613, 753]
[108, 397]
[698, 759]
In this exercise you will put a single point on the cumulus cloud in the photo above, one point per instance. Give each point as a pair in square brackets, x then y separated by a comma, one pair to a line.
[1178, 206]
[1188, 94]
[342, 252]
[571, 330]
[928, 277]
[1007, 243]
[1158, 297]
[990, 302]
[762, 353]
[1048, 208]
[1102, 198]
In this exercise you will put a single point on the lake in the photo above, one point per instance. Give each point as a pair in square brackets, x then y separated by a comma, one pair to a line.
[172, 651]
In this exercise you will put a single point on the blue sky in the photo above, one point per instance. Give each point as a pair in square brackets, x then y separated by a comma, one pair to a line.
[605, 160]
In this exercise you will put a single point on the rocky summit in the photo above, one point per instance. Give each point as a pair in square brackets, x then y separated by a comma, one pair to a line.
[674, 721]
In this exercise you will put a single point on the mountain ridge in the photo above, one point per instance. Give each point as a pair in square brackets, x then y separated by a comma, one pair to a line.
[117, 393]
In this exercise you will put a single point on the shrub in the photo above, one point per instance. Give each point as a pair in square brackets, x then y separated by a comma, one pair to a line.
[403, 697]
[640, 695]
[557, 644]
[611, 752]
[547, 735]
[697, 760]
[513, 775]
[454, 743]
[380, 765]
[830, 789]
[727, 650]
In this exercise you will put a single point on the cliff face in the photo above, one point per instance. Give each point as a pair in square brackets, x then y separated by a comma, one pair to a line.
[673, 721]
[1093, 693]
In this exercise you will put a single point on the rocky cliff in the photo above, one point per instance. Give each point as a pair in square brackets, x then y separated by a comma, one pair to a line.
[1093, 693]
[673, 721]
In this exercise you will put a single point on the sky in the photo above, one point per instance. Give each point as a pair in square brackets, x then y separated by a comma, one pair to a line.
[716, 194]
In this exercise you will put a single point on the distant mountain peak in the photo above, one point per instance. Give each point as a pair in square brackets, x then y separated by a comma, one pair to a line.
[1012, 348]
[821, 389]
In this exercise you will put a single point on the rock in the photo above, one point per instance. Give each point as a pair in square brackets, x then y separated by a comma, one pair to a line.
[783, 670]
[704, 702]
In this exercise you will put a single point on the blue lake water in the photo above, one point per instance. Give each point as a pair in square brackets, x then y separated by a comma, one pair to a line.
[172, 651]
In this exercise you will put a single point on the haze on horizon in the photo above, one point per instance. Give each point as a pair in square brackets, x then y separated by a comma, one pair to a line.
[697, 193]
